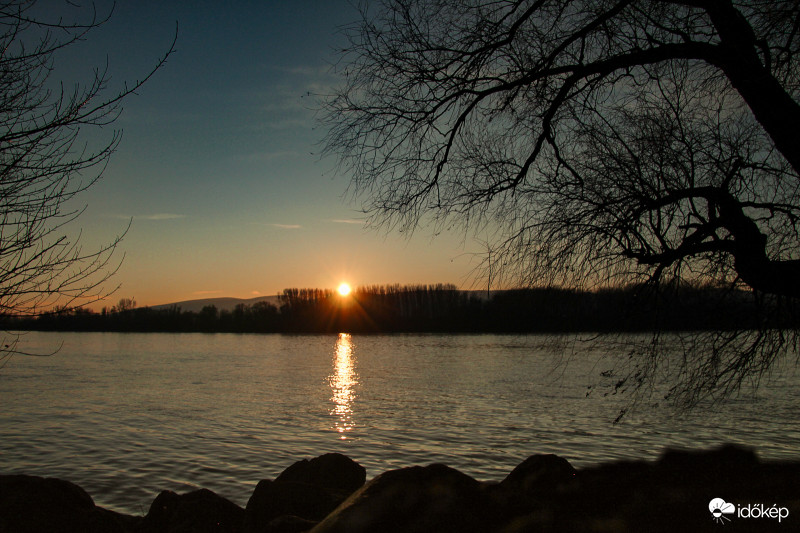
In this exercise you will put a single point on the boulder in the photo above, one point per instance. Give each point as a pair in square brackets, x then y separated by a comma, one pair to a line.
[331, 471]
[304, 493]
[34, 504]
[288, 524]
[720, 465]
[273, 499]
[539, 473]
[543, 494]
[198, 511]
[536, 480]
[670, 494]
[414, 500]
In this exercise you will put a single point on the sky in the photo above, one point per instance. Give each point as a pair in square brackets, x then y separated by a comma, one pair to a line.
[219, 167]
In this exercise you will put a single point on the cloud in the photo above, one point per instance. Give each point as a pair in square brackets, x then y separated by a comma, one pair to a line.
[161, 216]
[155, 216]
[347, 221]
[287, 226]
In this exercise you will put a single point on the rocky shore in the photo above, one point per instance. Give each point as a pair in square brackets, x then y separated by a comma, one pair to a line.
[726, 489]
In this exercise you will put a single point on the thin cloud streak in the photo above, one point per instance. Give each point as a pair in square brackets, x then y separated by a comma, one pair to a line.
[154, 217]
[287, 226]
[162, 216]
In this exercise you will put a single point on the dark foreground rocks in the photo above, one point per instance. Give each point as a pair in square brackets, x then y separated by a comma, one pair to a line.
[30, 504]
[681, 491]
[303, 494]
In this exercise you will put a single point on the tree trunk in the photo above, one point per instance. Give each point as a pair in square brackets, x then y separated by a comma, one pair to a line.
[779, 277]
[738, 57]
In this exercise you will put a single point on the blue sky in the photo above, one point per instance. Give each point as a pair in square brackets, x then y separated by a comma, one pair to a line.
[219, 164]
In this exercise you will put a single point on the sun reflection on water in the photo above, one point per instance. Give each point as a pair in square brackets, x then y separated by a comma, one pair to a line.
[343, 381]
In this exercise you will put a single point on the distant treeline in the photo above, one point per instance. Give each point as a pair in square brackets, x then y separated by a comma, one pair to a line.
[441, 308]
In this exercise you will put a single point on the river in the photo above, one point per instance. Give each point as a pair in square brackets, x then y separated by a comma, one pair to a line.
[128, 415]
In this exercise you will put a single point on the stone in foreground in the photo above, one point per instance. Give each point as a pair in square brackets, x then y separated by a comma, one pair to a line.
[414, 500]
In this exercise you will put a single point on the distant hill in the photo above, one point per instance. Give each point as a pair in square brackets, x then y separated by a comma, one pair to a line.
[226, 304]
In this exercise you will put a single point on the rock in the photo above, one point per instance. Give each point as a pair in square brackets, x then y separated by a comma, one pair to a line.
[288, 524]
[306, 491]
[198, 511]
[161, 511]
[671, 494]
[35, 504]
[722, 464]
[539, 473]
[543, 494]
[273, 499]
[413, 500]
[332, 471]
[533, 482]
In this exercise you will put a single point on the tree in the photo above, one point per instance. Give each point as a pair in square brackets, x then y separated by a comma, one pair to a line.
[124, 305]
[603, 142]
[45, 163]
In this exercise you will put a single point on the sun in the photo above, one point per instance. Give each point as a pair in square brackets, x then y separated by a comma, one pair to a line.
[344, 289]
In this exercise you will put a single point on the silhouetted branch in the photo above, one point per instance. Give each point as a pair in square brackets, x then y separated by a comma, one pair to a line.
[45, 165]
[598, 142]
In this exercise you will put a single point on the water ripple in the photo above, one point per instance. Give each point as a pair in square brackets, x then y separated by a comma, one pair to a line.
[126, 415]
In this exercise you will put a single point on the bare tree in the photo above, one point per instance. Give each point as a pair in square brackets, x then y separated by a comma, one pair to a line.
[603, 141]
[45, 163]
[124, 305]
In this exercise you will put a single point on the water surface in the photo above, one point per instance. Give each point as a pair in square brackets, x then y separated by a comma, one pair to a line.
[128, 415]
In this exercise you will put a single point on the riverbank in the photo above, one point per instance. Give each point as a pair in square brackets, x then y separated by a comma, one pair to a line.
[439, 309]
[689, 490]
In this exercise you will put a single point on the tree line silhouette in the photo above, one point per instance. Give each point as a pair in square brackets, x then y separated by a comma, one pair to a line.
[443, 308]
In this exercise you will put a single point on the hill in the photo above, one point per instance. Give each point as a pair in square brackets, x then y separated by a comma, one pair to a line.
[228, 304]
[222, 304]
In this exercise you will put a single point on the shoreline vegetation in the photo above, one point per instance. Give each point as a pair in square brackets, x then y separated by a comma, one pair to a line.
[441, 308]
[682, 490]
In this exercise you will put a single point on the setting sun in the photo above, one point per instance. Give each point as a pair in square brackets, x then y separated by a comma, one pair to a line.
[344, 289]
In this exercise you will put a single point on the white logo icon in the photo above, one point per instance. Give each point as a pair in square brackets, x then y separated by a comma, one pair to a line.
[719, 508]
